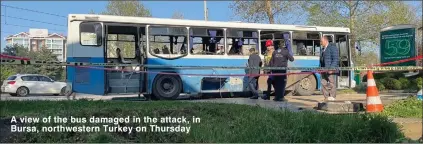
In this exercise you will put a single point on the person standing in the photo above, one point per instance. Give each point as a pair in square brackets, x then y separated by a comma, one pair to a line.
[280, 58]
[329, 58]
[267, 57]
[254, 61]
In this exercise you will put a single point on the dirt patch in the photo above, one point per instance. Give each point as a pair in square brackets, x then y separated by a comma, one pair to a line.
[411, 127]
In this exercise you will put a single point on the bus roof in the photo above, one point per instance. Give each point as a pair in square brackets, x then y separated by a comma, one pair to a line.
[202, 23]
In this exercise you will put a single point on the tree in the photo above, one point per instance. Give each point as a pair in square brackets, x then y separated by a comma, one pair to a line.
[127, 8]
[364, 18]
[55, 72]
[177, 15]
[268, 11]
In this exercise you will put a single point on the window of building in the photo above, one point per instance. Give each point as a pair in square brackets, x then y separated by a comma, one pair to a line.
[239, 42]
[91, 34]
[168, 42]
[205, 41]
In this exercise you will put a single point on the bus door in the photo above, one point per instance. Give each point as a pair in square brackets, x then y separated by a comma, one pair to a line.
[341, 42]
[85, 44]
[123, 47]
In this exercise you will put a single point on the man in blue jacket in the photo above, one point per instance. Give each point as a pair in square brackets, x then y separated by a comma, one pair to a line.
[329, 58]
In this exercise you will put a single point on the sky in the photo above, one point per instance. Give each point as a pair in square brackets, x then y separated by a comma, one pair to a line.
[218, 11]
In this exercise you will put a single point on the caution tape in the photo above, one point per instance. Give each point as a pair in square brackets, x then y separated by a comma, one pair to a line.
[55, 63]
[12, 60]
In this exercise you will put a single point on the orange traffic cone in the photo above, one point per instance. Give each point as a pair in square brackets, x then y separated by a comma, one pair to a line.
[374, 103]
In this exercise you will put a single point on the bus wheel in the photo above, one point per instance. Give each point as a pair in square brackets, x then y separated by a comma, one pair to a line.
[306, 86]
[167, 87]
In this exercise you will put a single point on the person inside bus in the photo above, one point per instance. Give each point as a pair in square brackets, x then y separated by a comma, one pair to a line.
[267, 57]
[254, 61]
[280, 58]
[329, 58]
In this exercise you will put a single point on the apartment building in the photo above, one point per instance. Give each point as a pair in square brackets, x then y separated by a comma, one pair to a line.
[37, 39]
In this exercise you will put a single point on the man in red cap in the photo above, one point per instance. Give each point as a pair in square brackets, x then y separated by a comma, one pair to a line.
[267, 57]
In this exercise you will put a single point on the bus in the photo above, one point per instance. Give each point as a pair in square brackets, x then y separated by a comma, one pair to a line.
[177, 42]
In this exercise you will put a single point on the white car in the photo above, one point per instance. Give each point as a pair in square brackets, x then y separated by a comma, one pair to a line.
[24, 84]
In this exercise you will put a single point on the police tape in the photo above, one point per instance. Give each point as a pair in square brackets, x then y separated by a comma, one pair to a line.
[56, 63]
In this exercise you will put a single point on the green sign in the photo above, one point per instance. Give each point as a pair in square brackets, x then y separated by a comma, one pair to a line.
[396, 45]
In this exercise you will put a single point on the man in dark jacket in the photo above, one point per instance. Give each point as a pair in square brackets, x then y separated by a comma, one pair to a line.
[329, 58]
[280, 58]
[254, 61]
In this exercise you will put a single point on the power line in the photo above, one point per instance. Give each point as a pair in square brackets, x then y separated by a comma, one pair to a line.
[34, 20]
[33, 11]
[31, 27]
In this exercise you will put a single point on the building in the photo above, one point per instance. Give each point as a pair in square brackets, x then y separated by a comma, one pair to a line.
[37, 39]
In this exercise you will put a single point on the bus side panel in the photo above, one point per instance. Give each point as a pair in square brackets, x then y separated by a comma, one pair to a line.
[194, 84]
[84, 80]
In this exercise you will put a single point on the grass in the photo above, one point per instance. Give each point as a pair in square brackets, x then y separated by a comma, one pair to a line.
[220, 123]
[407, 108]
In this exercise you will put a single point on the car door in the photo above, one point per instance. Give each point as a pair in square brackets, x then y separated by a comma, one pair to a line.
[32, 83]
[47, 85]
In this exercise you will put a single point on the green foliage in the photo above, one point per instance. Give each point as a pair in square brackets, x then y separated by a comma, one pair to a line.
[364, 18]
[220, 123]
[54, 72]
[408, 108]
[391, 83]
[405, 83]
[282, 12]
[417, 83]
[127, 8]
[380, 86]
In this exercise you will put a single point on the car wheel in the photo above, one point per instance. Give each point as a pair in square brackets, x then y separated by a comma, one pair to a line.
[13, 94]
[306, 86]
[22, 91]
[63, 91]
[167, 87]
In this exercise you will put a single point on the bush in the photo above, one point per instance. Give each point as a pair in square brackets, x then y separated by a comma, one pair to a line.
[391, 83]
[380, 86]
[405, 83]
[408, 108]
[418, 83]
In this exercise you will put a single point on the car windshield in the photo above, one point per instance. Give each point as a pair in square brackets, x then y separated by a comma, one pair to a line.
[11, 78]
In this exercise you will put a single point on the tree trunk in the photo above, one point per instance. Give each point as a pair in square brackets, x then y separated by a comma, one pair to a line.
[351, 26]
[268, 7]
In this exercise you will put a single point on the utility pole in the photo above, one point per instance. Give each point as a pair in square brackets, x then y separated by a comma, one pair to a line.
[205, 11]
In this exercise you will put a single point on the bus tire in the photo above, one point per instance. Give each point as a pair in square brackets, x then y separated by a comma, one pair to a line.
[167, 87]
[306, 86]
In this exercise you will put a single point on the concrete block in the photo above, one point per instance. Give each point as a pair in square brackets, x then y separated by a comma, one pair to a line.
[340, 106]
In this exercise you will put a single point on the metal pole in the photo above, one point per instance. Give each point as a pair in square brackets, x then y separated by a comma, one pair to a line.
[205, 10]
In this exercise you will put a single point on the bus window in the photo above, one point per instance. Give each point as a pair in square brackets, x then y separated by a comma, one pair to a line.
[239, 42]
[122, 41]
[206, 41]
[168, 42]
[90, 34]
[306, 44]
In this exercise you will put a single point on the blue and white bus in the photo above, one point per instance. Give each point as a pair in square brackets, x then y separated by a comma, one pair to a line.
[158, 41]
